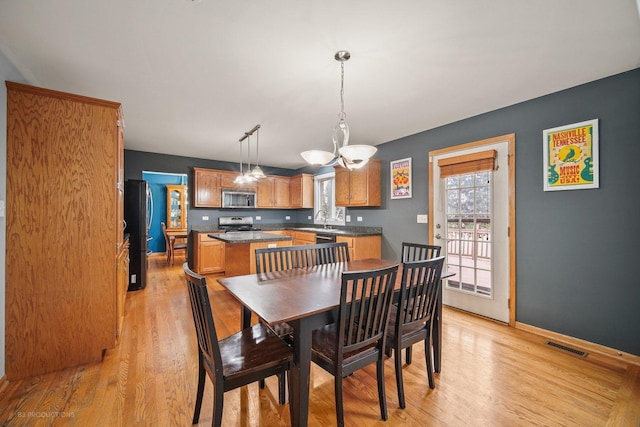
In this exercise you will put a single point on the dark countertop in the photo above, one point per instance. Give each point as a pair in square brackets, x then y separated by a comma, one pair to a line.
[352, 231]
[248, 237]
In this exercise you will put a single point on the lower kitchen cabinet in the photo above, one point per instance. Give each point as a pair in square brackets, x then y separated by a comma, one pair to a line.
[362, 247]
[304, 238]
[208, 255]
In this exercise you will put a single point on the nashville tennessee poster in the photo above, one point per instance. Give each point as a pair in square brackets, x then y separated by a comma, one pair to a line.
[571, 157]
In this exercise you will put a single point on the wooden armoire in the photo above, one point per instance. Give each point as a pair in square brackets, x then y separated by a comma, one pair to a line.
[65, 156]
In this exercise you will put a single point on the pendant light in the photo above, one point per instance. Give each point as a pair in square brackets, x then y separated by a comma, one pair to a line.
[257, 172]
[345, 155]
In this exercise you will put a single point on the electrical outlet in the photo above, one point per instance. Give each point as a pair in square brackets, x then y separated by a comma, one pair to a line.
[272, 245]
[309, 217]
[287, 217]
[423, 219]
[258, 217]
[359, 219]
[348, 218]
[1, 208]
[134, 279]
[205, 218]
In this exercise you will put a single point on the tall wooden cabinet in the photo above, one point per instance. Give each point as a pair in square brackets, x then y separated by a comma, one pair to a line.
[64, 229]
[176, 208]
[360, 187]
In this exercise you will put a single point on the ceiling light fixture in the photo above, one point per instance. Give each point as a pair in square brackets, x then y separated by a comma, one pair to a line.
[257, 172]
[345, 155]
[250, 175]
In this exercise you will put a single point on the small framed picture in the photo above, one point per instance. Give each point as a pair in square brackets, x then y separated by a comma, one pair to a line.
[401, 178]
[571, 157]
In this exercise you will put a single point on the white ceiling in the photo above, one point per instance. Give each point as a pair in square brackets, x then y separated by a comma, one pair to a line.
[193, 76]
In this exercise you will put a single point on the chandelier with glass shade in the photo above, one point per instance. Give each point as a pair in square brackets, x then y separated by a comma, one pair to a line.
[345, 155]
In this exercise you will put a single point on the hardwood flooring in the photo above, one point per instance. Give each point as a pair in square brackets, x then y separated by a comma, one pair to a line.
[492, 375]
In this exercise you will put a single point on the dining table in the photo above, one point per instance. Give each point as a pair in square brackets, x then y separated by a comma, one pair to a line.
[307, 299]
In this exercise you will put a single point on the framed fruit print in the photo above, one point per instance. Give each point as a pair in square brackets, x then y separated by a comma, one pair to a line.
[571, 157]
[401, 178]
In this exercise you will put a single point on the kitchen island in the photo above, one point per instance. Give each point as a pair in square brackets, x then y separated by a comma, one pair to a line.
[240, 248]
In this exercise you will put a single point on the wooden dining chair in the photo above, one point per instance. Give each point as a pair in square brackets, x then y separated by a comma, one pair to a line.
[357, 339]
[250, 355]
[419, 251]
[172, 246]
[410, 321]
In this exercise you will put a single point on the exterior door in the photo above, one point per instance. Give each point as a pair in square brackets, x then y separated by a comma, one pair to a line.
[471, 220]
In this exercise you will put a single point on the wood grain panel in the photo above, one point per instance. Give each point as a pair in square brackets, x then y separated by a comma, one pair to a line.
[61, 230]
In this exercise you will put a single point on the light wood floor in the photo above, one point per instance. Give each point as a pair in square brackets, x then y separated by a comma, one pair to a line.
[492, 375]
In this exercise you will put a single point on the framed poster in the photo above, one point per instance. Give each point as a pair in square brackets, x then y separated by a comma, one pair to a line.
[571, 157]
[401, 179]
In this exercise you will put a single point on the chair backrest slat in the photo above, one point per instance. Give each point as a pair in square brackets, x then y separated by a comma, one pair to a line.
[203, 320]
[269, 260]
[365, 300]
[419, 251]
[419, 291]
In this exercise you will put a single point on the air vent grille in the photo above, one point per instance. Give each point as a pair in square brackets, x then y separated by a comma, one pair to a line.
[567, 349]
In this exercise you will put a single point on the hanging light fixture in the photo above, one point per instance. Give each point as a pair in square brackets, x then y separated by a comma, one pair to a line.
[257, 172]
[248, 176]
[345, 155]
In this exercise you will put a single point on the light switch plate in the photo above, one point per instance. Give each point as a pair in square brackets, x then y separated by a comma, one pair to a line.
[1, 208]
[423, 219]
[258, 217]
[287, 217]
[348, 218]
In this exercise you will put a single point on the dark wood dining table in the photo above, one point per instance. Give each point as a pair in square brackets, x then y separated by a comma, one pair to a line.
[307, 299]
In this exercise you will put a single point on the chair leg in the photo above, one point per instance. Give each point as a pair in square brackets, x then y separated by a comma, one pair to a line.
[218, 402]
[381, 394]
[339, 407]
[428, 360]
[282, 398]
[397, 358]
[202, 374]
[408, 355]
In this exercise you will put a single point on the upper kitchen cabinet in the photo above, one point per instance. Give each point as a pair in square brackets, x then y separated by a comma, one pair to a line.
[227, 179]
[207, 187]
[176, 208]
[64, 227]
[360, 187]
[273, 192]
[301, 191]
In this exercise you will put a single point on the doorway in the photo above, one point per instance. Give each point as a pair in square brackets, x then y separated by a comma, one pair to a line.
[471, 205]
[158, 182]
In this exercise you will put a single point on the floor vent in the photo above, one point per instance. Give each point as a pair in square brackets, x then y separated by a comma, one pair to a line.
[567, 349]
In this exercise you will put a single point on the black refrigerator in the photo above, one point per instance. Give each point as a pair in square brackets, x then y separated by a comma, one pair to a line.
[135, 215]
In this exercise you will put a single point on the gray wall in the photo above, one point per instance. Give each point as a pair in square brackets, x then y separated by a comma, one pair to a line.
[7, 72]
[575, 272]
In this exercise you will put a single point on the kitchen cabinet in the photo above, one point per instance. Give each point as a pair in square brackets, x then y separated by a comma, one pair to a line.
[304, 238]
[360, 187]
[227, 179]
[64, 229]
[362, 247]
[176, 208]
[122, 284]
[207, 188]
[209, 255]
[273, 192]
[301, 191]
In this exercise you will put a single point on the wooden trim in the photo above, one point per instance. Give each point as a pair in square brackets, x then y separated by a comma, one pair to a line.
[19, 87]
[589, 347]
[511, 140]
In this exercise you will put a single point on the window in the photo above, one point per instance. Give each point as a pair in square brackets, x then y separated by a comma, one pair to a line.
[325, 210]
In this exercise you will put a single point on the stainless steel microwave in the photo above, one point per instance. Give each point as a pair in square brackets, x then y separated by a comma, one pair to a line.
[238, 199]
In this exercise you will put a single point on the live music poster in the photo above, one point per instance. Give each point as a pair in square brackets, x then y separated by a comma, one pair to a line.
[571, 157]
